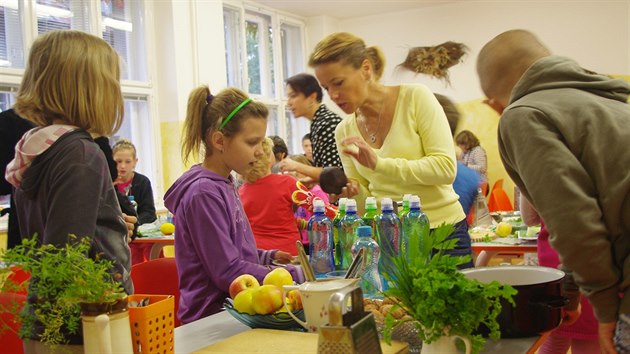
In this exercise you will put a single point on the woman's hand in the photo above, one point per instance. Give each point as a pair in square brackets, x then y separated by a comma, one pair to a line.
[356, 148]
[288, 165]
[283, 257]
[350, 190]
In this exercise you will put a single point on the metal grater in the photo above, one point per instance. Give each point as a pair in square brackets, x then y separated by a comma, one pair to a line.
[350, 333]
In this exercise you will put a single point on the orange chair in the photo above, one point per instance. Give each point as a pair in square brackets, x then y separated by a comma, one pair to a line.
[157, 277]
[11, 343]
[498, 199]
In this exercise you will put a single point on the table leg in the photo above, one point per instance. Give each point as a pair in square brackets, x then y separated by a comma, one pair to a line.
[156, 248]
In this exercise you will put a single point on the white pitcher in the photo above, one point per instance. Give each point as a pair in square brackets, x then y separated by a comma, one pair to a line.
[445, 345]
[315, 298]
[106, 333]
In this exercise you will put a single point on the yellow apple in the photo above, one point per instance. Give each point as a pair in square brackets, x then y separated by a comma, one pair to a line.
[241, 283]
[294, 300]
[503, 229]
[278, 277]
[243, 301]
[266, 299]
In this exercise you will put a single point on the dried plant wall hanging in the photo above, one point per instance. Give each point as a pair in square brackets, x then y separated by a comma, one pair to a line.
[436, 60]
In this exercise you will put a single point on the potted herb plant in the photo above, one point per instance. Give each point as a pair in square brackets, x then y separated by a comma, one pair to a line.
[440, 300]
[65, 281]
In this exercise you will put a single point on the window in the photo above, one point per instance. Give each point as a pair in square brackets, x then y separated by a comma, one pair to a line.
[262, 49]
[122, 25]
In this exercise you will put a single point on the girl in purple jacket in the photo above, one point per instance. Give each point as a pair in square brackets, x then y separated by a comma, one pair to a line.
[214, 242]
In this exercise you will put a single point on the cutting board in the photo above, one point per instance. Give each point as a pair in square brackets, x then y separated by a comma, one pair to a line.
[280, 342]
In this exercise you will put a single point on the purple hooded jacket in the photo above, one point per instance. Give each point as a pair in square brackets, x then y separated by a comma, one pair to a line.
[214, 242]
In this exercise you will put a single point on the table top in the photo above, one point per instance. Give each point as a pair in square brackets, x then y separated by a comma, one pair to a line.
[160, 239]
[197, 335]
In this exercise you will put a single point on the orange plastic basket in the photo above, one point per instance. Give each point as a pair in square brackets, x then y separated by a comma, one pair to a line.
[152, 326]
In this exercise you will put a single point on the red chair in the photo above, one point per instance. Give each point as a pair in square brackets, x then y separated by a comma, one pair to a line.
[19, 278]
[11, 343]
[157, 277]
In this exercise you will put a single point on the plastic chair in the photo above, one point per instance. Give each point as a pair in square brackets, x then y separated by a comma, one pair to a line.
[157, 277]
[11, 343]
[18, 276]
[498, 199]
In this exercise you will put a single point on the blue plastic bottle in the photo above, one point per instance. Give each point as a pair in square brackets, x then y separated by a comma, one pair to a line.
[370, 278]
[389, 231]
[133, 202]
[337, 227]
[348, 232]
[415, 224]
[320, 238]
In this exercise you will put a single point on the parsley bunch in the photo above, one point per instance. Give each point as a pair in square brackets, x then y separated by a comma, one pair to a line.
[440, 299]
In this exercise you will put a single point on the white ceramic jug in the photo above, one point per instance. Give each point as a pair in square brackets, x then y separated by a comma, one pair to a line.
[107, 333]
[315, 298]
[445, 345]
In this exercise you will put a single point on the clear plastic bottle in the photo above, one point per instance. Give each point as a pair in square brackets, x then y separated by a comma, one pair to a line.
[133, 202]
[388, 234]
[348, 232]
[320, 237]
[370, 214]
[370, 279]
[415, 224]
[405, 206]
[336, 225]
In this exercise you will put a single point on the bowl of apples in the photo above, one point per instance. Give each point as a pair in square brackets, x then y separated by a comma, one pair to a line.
[262, 306]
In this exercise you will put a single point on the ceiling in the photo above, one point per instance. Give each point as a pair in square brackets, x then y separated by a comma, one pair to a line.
[343, 9]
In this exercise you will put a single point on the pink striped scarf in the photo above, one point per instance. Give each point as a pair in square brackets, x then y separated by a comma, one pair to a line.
[33, 144]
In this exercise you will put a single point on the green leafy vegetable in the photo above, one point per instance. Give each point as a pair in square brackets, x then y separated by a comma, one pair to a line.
[440, 299]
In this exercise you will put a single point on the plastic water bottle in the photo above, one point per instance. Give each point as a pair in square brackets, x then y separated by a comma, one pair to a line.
[415, 224]
[370, 214]
[133, 202]
[388, 233]
[348, 232]
[320, 238]
[405, 206]
[336, 225]
[370, 278]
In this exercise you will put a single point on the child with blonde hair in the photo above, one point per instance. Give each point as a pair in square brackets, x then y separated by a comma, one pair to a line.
[214, 242]
[71, 90]
[137, 186]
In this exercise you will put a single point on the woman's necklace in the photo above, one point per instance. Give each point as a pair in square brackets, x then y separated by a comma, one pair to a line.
[372, 136]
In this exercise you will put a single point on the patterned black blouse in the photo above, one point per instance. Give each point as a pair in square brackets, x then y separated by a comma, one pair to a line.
[323, 138]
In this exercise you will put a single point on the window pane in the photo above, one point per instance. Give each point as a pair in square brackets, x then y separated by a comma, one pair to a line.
[233, 47]
[292, 56]
[7, 99]
[123, 22]
[259, 44]
[62, 14]
[138, 128]
[296, 129]
[11, 37]
[272, 121]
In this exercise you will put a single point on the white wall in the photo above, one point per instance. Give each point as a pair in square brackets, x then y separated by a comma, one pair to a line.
[595, 33]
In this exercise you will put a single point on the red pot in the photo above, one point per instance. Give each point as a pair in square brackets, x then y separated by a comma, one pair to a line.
[539, 300]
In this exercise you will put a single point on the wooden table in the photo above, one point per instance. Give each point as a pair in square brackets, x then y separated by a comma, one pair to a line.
[486, 250]
[157, 244]
[197, 335]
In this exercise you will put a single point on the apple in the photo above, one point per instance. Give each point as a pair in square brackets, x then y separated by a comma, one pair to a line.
[294, 300]
[243, 301]
[266, 299]
[278, 277]
[241, 283]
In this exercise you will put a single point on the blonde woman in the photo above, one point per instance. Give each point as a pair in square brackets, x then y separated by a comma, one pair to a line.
[135, 185]
[396, 139]
[71, 90]
[268, 204]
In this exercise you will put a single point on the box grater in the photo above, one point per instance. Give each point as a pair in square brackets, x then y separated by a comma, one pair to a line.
[351, 333]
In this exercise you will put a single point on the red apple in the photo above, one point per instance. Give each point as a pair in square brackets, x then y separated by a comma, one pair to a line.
[241, 283]
[266, 299]
[294, 299]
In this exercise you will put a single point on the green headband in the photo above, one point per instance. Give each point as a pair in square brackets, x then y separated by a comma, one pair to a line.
[238, 108]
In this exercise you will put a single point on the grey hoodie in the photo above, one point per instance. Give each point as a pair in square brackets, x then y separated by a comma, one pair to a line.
[564, 141]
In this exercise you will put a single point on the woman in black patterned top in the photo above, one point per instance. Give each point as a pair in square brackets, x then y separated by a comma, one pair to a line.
[305, 100]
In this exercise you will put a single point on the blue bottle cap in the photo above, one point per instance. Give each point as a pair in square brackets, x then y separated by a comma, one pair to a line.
[364, 231]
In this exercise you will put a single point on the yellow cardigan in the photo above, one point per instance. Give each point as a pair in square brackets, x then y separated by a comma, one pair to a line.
[417, 157]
